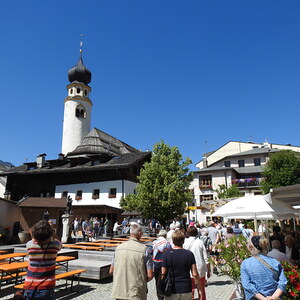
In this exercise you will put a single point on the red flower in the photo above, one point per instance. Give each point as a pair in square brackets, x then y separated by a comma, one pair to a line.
[298, 287]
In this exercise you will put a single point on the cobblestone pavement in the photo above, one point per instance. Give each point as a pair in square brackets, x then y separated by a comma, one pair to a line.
[219, 288]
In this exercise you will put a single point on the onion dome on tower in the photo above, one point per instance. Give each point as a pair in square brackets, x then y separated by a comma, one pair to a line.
[80, 73]
[77, 110]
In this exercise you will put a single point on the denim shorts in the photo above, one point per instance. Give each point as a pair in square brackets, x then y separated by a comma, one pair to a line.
[40, 294]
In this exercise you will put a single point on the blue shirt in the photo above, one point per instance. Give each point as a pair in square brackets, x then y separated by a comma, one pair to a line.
[257, 278]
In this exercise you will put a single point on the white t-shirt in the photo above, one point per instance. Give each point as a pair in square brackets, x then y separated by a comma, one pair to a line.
[196, 246]
[116, 226]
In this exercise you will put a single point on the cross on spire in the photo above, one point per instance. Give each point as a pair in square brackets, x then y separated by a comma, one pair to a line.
[81, 43]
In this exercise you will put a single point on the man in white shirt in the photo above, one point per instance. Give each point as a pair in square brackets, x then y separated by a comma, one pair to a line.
[275, 253]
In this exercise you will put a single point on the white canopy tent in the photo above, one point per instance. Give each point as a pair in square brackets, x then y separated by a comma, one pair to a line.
[255, 207]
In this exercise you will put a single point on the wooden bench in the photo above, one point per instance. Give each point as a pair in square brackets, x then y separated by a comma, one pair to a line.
[97, 244]
[82, 247]
[67, 275]
[17, 275]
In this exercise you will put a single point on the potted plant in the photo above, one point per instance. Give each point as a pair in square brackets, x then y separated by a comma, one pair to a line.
[231, 254]
[24, 236]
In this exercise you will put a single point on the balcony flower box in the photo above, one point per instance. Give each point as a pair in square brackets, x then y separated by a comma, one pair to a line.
[203, 187]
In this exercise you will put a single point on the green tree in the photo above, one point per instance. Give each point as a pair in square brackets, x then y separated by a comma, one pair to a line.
[162, 191]
[282, 169]
[228, 192]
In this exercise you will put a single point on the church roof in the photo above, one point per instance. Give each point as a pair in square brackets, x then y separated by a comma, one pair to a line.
[99, 142]
[80, 73]
[81, 164]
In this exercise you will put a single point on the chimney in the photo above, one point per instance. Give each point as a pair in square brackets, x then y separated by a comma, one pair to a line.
[205, 163]
[60, 156]
[40, 160]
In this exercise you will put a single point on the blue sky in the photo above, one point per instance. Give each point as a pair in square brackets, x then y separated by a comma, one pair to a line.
[193, 73]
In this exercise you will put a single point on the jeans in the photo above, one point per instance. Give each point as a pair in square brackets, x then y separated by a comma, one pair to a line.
[40, 294]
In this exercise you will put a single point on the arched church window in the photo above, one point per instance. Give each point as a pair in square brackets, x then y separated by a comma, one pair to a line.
[85, 92]
[71, 91]
[80, 112]
[78, 91]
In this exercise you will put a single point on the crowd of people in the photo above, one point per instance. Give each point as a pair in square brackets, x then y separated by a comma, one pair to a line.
[190, 252]
[95, 227]
[186, 251]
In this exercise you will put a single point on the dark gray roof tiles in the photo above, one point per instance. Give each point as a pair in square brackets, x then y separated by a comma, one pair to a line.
[99, 142]
[87, 164]
[254, 151]
[243, 170]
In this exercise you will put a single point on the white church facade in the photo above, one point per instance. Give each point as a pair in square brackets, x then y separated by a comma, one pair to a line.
[94, 168]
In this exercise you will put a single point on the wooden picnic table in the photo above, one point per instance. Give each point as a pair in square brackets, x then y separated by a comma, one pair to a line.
[82, 247]
[15, 268]
[148, 238]
[13, 257]
[63, 261]
[105, 241]
[98, 244]
[143, 239]
[12, 269]
[120, 239]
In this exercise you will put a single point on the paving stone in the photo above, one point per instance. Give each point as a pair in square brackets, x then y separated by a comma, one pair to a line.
[219, 288]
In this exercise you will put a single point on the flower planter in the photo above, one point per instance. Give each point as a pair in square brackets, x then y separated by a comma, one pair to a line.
[239, 291]
[24, 237]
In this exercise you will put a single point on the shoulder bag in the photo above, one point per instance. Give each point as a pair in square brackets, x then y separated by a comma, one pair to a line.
[164, 286]
[268, 266]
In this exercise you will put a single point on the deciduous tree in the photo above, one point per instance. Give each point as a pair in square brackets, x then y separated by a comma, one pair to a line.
[282, 169]
[228, 192]
[162, 191]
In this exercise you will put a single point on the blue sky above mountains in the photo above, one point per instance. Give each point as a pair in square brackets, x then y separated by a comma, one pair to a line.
[193, 73]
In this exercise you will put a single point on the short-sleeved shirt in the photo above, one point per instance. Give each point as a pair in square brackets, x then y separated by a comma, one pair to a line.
[212, 233]
[206, 241]
[182, 261]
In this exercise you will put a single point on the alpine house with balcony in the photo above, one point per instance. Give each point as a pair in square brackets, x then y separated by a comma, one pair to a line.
[239, 163]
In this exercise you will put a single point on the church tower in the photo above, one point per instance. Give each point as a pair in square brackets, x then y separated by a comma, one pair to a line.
[77, 110]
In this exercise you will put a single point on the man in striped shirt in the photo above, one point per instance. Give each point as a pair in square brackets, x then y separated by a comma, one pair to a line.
[42, 251]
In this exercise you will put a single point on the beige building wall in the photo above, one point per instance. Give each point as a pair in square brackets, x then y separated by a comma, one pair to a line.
[9, 214]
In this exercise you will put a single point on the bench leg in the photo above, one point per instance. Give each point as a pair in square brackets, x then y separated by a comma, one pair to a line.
[78, 282]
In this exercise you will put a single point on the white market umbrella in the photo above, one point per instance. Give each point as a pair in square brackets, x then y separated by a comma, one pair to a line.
[248, 205]
[254, 207]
